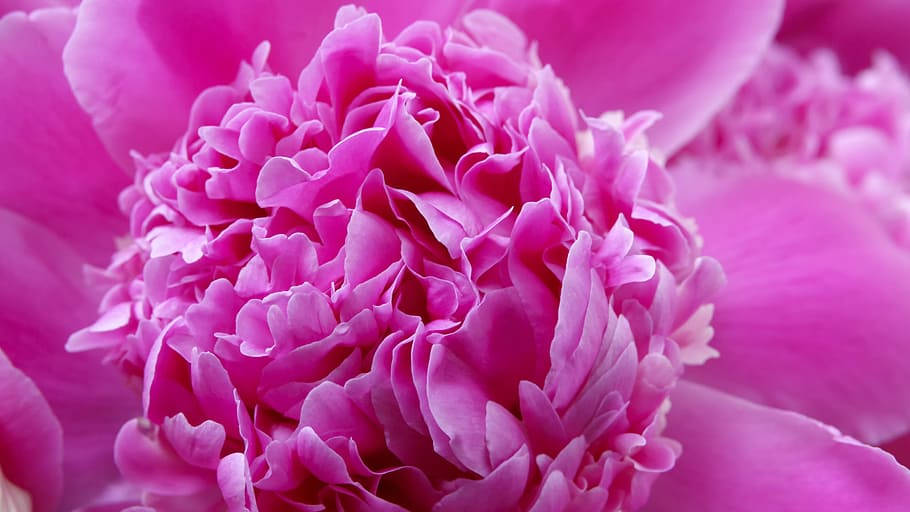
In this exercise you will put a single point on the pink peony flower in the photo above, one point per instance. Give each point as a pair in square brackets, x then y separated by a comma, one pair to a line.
[408, 275]
[400, 285]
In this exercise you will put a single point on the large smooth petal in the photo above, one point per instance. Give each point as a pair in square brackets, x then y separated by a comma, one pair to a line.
[854, 30]
[137, 65]
[814, 316]
[684, 59]
[43, 300]
[746, 457]
[31, 441]
[55, 170]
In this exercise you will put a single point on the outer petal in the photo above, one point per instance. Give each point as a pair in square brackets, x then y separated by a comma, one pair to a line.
[853, 29]
[137, 65]
[684, 59]
[31, 441]
[42, 300]
[7, 6]
[55, 170]
[814, 316]
[741, 456]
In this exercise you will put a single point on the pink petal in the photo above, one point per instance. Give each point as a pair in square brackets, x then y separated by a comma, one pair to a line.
[684, 59]
[42, 301]
[30, 437]
[8, 6]
[137, 65]
[741, 456]
[814, 317]
[854, 30]
[55, 170]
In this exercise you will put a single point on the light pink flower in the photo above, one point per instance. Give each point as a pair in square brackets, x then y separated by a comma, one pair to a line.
[414, 277]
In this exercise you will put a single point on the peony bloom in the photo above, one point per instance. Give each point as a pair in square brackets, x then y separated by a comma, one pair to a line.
[388, 268]
[402, 284]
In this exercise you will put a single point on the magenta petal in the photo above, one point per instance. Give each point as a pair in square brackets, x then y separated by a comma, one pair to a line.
[814, 315]
[55, 170]
[137, 65]
[42, 301]
[31, 440]
[741, 456]
[684, 59]
[854, 30]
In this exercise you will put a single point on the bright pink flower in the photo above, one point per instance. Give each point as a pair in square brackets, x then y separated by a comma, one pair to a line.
[811, 169]
[410, 275]
[399, 284]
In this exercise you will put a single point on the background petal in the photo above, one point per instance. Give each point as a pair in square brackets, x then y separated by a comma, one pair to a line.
[42, 301]
[814, 316]
[7, 6]
[31, 442]
[745, 457]
[56, 172]
[684, 59]
[137, 65]
[852, 29]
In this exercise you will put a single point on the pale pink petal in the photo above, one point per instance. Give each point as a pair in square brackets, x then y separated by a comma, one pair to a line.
[31, 440]
[137, 65]
[42, 300]
[814, 316]
[684, 59]
[55, 170]
[852, 29]
[741, 456]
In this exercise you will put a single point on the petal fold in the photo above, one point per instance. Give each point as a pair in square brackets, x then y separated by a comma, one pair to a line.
[741, 456]
[814, 316]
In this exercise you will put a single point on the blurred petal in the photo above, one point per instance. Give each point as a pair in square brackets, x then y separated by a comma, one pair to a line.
[42, 301]
[7, 6]
[746, 457]
[852, 29]
[814, 315]
[137, 65]
[684, 59]
[30, 439]
[56, 172]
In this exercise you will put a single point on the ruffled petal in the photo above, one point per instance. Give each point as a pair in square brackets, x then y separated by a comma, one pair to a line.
[814, 316]
[42, 300]
[137, 65]
[684, 59]
[852, 29]
[56, 171]
[741, 456]
[31, 439]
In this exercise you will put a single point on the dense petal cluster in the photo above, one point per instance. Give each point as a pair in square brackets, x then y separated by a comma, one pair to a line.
[414, 279]
[805, 118]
